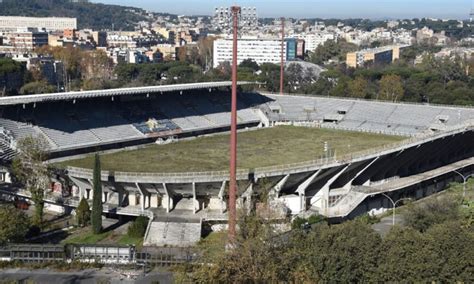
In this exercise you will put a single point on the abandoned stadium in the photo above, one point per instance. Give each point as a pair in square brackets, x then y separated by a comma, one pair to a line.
[417, 151]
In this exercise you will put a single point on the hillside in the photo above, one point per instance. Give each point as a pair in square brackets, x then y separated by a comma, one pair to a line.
[89, 15]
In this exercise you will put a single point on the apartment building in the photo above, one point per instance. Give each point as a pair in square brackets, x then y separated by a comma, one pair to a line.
[381, 55]
[259, 49]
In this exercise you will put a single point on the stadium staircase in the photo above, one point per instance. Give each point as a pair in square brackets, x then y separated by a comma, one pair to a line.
[169, 231]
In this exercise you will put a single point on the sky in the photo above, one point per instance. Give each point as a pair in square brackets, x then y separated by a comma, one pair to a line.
[373, 9]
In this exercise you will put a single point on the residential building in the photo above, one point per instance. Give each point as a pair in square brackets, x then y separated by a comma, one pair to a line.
[121, 41]
[312, 41]
[69, 33]
[381, 55]
[100, 38]
[27, 40]
[259, 49]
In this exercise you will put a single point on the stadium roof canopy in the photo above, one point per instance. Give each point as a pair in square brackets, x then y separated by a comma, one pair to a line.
[26, 99]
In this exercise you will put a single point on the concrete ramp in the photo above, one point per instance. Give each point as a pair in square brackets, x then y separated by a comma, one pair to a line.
[174, 233]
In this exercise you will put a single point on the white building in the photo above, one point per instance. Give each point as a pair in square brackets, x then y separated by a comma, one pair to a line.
[312, 41]
[122, 41]
[12, 23]
[260, 50]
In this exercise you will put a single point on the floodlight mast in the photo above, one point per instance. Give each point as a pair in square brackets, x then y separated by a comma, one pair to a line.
[282, 63]
[233, 132]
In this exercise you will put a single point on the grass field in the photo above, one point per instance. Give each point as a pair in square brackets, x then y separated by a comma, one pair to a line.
[265, 147]
[85, 236]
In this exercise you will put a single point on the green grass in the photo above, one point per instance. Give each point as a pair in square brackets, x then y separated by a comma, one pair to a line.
[259, 148]
[85, 236]
[127, 240]
[214, 243]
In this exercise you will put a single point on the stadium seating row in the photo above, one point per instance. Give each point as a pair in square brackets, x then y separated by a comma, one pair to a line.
[369, 116]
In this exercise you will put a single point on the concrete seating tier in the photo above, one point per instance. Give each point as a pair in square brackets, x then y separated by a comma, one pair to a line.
[367, 116]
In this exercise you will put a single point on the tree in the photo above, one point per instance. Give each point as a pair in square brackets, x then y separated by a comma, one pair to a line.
[344, 253]
[405, 257]
[138, 228]
[249, 63]
[14, 226]
[83, 213]
[39, 87]
[391, 88]
[433, 211]
[253, 258]
[204, 46]
[453, 245]
[12, 76]
[96, 65]
[96, 219]
[332, 50]
[271, 76]
[358, 88]
[28, 168]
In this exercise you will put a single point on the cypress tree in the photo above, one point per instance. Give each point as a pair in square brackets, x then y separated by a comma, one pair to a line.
[83, 213]
[96, 219]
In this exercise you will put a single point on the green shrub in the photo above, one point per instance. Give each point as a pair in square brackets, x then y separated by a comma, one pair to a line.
[138, 227]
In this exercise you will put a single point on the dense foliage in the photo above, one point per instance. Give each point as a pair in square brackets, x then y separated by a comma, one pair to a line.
[96, 218]
[89, 15]
[138, 227]
[12, 76]
[83, 213]
[441, 81]
[351, 252]
[28, 168]
[15, 224]
[331, 50]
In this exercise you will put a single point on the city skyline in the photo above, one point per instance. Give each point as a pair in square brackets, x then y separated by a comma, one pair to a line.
[373, 9]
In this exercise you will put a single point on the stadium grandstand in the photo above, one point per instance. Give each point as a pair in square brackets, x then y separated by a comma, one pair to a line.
[433, 142]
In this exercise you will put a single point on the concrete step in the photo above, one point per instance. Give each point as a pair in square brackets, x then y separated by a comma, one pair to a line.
[171, 233]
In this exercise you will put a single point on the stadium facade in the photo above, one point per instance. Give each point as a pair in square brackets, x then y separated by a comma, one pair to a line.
[439, 142]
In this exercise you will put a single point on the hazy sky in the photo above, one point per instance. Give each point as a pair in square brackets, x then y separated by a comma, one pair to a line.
[379, 9]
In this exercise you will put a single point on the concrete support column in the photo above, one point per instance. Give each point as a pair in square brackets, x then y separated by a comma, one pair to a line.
[275, 191]
[132, 199]
[348, 185]
[167, 199]
[302, 202]
[153, 200]
[142, 201]
[82, 192]
[91, 191]
[307, 182]
[246, 198]
[195, 201]
[223, 205]
[321, 199]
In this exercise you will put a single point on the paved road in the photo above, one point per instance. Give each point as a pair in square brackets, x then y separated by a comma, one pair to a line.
[82, 277]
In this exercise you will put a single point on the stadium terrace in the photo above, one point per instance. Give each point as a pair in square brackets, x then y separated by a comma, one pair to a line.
[415, 149]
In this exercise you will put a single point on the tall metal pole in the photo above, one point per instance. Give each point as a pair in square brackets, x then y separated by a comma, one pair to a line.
[464, 178]
[233, 132]
[282, 63]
